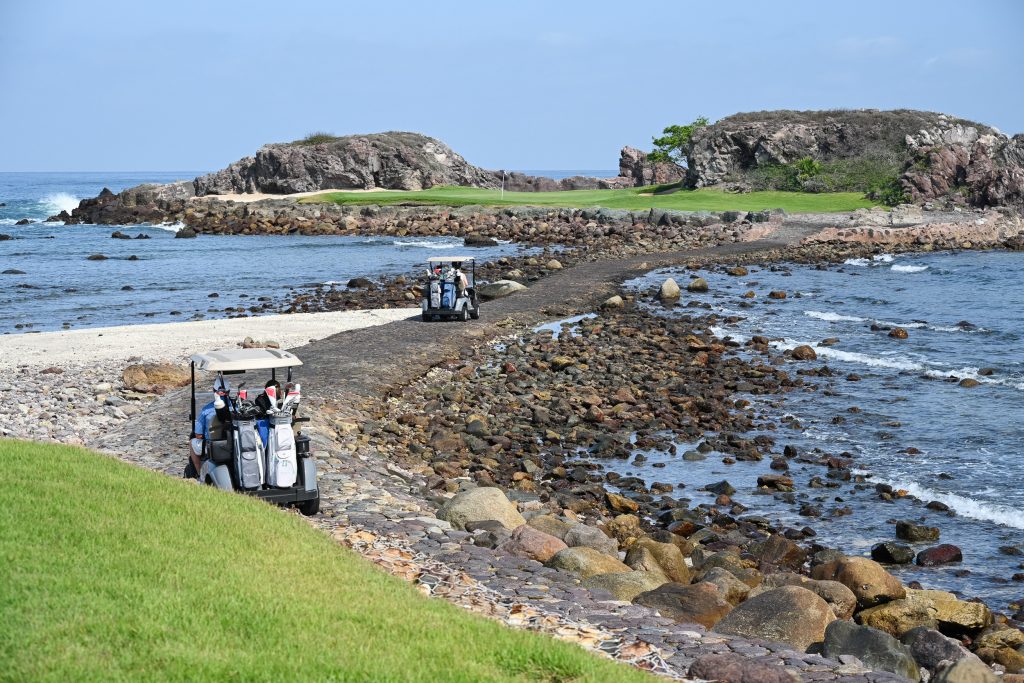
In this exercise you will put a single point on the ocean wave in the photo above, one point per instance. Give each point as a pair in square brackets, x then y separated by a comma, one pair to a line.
[424, 244]
[172, 227]
[859, 262]
[834, 317]
[8, 221]
[60, 201]
[908, 269]
[883, 258]
[962, 505]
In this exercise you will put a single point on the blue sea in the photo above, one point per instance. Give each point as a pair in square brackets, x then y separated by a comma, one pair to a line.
[162, 278]
[896, 407]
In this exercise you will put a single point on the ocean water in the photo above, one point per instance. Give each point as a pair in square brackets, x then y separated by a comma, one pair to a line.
[964, 313]
[569, 173]
[162, 278]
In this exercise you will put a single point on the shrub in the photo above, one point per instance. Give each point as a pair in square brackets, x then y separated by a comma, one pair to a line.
[889, 192]
[316, 138]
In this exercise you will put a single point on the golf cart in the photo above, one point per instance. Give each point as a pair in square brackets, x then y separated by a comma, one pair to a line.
[251, 446]
[450, 291]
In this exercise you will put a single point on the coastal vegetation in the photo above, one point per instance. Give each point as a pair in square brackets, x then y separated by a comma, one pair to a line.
[674, 142]
[639, 198]
[113, 572]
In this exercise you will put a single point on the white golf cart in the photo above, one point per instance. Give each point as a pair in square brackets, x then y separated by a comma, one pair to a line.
[451, 290]
[252, 446]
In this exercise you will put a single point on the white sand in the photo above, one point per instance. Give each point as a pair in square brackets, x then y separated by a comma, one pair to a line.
[258, 196]
[175, 342]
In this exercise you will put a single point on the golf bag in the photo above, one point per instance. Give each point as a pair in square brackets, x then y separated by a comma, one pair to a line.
[435, 294]
[248, 455]
[448, 295]
[282, 462]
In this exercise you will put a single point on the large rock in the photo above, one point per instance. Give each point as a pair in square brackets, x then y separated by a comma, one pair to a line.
[586, 562]
[550, 524]
[956, 616]
[732, 589]
[667, 557]
[946, 553]
[965, 671]
[777, 552]
[480, 504]
[499, 289]
[635, 165]
[733, 668]
[789, 614]
[531, 543]
[583, 536]
[840, 599]
[930, 649]
[897, 617]
[700, 603]
[626, 586]
[669, 290]
[916, 533]
[155, 378]
[866, 578]
[878, 650]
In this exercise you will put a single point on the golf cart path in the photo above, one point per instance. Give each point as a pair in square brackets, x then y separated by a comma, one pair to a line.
[364, 364]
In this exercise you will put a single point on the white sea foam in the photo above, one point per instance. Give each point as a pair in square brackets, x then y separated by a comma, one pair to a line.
[172, 227]
[861, 262]
[883, 258]
[908, 269]
[833, 317]
[964, 506]
[7, 221]
[425, 244]
[60, 201]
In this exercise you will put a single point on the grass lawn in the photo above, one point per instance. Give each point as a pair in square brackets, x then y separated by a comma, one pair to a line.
[706, 199]
[111, 572]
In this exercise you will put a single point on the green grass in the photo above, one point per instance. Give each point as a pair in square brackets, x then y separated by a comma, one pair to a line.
[111, 572]
[634, 198]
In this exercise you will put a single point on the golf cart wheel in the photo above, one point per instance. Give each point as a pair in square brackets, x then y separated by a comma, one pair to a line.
[310, 507]
[464, 313]
[426, 317]
[474, 312]
[190, 471]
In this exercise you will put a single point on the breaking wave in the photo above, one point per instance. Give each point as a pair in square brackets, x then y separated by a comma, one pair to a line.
[908, 269]
[60, 201]
[962, 505]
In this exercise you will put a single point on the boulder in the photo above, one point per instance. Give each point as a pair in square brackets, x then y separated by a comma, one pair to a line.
[619, 503]
[733, 668]
[96, 257]
[625, 586]
[804, 352]
[613, 302]
[732, 589]
[531, 543]
[4, 237]
[186, 233]
[479, 504]
[945, 553]
[624, 528]
[929, 648]
[697, 285]
[866, 578]
[550, 524]
[667, 556]
[553, 264]
[956, 617]
[499, 289]
[916, 533]
[479, 241]
[583, 536]
[790, 614]
[360, 283]
[155, 378]
[586, 562]
[898, 333]
[777, 552]
[840, 599]
[635, 165]
[669, 290]
[892, 553]
[700, 603]
[897, 617]
[876, 649]
[965, 671]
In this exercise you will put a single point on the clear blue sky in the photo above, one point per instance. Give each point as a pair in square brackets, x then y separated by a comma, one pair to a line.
[185, 85]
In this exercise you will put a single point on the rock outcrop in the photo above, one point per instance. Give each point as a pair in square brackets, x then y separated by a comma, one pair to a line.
[634, 165]
[930, 156]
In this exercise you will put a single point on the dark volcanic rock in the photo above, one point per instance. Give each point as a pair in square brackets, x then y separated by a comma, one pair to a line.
[700, 603]
[733, 668]
[24, 221]
[892, 553]
[940, 554]
[875, 648]
[916, 533]
[634, 164]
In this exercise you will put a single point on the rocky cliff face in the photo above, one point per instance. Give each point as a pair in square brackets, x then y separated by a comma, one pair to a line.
[932, 156]
[392, 161]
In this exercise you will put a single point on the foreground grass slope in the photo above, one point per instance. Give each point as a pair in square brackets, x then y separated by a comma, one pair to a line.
[706, 199]
[111, 572]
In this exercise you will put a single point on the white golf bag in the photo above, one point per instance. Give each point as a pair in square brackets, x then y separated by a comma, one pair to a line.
[282, 462]
[435, 294]
[248, 452]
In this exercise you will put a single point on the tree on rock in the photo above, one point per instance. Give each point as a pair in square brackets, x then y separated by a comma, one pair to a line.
[672, 145]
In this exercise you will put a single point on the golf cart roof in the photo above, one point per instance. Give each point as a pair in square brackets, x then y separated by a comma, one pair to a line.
[228, 360]
[446, 259]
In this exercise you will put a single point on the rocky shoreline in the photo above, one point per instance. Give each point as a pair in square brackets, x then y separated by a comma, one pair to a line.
[681, 587]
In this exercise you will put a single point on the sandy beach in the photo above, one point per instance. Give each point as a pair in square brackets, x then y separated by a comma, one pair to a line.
[176, 341]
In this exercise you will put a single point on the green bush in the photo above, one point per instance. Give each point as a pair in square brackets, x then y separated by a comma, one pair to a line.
[317, 138]
[888, 191]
